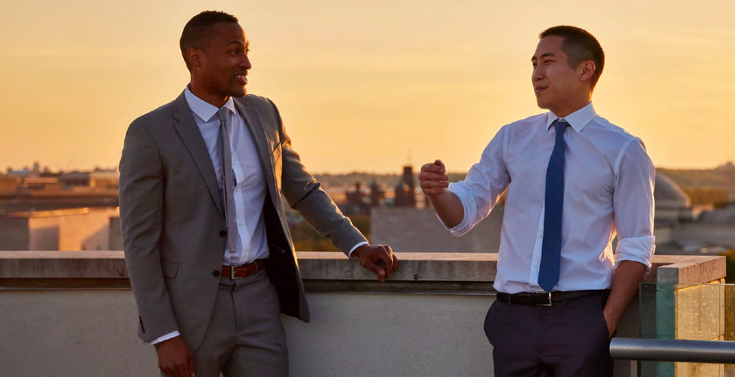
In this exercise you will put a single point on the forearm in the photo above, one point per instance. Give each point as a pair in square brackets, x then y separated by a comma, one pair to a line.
[449, 208]
[628, 276]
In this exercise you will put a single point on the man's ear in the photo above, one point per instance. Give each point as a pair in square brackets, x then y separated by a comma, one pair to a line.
[195, 57]
[586, 70]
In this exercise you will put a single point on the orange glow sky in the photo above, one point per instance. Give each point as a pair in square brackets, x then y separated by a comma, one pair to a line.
[361, 85]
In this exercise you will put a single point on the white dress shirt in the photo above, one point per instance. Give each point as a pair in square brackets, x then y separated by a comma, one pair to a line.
[608, 189]
[250, 185]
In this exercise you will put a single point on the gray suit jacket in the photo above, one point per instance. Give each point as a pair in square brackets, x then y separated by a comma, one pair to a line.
[173, 223]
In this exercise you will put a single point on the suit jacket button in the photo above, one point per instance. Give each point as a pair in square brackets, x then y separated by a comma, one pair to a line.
[223, 233]
[215, 273]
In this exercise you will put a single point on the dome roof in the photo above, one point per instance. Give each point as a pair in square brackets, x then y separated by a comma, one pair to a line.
[668, 194]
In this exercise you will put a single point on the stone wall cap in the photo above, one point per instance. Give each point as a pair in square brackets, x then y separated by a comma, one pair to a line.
[426, 267]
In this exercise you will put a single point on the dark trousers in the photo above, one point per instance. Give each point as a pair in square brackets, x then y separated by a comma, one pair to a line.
[568, 339]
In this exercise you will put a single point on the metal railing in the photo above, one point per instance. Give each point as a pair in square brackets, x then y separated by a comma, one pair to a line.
[693, 351]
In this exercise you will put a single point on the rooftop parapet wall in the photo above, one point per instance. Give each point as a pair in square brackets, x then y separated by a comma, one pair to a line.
[426, 321]
[419, 270]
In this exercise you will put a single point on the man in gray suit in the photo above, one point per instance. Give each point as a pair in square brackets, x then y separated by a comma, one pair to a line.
[207, 245]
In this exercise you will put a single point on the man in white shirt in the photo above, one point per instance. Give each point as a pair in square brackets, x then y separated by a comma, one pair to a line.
[574, 181]
[207, 244]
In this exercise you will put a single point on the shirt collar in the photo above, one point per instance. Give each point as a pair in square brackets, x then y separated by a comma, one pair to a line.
[204, 110]
[578, 119]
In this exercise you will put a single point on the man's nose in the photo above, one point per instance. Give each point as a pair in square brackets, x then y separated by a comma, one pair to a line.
[245, 63]
[537, 74]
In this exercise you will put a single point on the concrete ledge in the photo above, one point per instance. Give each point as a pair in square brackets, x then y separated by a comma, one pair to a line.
[464, 267]
[690, 269]
[62, 264]
[323, 271]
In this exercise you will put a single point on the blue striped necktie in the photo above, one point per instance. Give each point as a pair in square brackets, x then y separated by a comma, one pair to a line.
[548, 275]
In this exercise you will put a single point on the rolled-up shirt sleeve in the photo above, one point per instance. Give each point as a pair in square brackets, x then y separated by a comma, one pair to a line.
[634, 206]
[483, 186]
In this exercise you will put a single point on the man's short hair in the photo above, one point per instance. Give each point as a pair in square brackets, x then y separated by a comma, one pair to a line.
[197, 31]
[580, 46]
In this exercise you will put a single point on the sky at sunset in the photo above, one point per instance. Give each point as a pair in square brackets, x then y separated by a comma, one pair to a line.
[364, 85]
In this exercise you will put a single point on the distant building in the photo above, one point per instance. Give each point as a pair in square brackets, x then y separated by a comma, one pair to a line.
[376, 194]
[34, 190]
[62, 230]
[679, 232]
[31, 183]
[97, 179]
[36, 180]
[672, 203]
[19, 173]
[357, 203]
[419, 230]
[8, 184]
[405, 190]
[720, 216]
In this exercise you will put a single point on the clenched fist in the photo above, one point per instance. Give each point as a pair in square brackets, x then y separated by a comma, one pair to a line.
[433, 178]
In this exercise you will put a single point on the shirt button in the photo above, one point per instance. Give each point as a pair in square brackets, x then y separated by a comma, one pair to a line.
[223, 233]
[215, 273]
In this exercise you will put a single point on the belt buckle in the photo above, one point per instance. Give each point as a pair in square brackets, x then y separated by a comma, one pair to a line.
[232, 273]
[246, 265]
[546, 304]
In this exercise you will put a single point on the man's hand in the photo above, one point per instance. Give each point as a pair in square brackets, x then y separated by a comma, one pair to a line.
[433, 178]
[175, 359]
[369, 254]
[434, 182]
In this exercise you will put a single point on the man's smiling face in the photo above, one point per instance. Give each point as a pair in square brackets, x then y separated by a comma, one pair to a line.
[554, 82]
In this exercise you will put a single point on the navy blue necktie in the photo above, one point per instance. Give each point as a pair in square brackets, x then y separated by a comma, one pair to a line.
[548, 275]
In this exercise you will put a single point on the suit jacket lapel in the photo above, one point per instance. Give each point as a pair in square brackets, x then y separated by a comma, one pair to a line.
[189, 132]
[252, 119]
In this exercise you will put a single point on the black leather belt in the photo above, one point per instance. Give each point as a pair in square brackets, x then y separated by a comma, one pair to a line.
[544, 299]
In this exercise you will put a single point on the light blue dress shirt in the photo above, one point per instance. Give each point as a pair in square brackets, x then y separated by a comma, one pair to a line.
[609, 181]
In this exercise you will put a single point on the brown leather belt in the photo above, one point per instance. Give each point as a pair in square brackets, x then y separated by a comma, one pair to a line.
[544, 299]
[244, 270]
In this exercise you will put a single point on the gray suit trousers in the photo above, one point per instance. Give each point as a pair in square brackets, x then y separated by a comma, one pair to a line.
[245, 336]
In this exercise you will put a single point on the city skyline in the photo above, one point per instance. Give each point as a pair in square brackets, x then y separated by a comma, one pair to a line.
[382, 80]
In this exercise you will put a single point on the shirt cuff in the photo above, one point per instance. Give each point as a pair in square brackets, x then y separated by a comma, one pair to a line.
[355, 247]
[466, 224]
[636, 249]
[168, 336]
